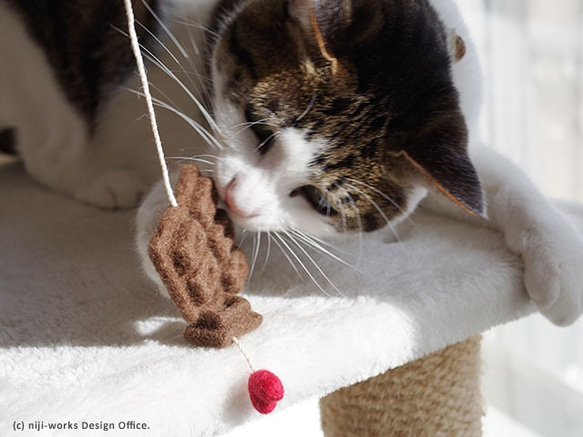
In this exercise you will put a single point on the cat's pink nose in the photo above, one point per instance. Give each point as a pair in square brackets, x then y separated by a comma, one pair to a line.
[232, 203]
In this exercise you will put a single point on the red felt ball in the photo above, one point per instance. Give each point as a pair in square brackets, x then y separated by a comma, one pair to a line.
[265, 390]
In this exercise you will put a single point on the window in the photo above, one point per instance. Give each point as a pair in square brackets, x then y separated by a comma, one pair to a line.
[532, 56]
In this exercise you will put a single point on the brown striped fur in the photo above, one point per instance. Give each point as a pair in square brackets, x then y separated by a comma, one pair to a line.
[376, 77]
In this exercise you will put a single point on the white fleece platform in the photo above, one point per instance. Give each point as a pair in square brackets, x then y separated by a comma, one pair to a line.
[84, 338]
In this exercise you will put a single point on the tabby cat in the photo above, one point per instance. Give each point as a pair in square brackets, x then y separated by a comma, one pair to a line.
[328, 117]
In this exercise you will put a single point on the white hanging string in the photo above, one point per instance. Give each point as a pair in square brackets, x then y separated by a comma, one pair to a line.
[238, 344]
[149, 101]
[154, 125]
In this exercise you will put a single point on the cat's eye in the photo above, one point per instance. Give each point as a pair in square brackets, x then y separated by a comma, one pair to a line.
[264, 133]
[316, 199]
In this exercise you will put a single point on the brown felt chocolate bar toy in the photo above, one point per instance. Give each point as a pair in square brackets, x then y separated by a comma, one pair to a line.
[193, 252]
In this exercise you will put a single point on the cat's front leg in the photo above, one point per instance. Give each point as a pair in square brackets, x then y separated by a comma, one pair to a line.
[52, 136]
[58, 153]
[552, 249]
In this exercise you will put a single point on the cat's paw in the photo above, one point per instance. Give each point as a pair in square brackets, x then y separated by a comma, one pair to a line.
[554, 276]
[119, 188]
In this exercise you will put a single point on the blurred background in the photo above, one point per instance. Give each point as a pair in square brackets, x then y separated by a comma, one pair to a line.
[532, 55]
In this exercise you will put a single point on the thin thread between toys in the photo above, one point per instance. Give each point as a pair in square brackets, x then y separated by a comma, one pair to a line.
[238, 344]
[149, 101]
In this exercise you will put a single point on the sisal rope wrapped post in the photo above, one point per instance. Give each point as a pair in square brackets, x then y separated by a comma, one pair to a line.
[438, 395]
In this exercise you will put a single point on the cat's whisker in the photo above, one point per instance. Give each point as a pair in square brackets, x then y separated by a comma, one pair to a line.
[325, 195]
[309, 108]
[342, 212]
[190, 75]
[191, 23]
[199, 105]
[206, 135]
[358, 222]
[329, 208]
[166, 29]
[152, 58]
[250, 124]
[378, 208]
[163, 67]
[205, 82]
[306, 239]
[283, 251]
[193, 43]
[385, 196]
[194, 46]
[325, 243]
[178, 45]
[242, 238]
[322, 247]
[183, 70]
[210, 140]
[191, 158]
[256, 248]
[166, 49]
[159, 41]
[313, 262]
[167, 99]
[301, 264]
[267, 140]
[216, 158]
[207, 171]
[268, 252]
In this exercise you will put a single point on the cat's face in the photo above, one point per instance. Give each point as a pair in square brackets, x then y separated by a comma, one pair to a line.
[336, 116]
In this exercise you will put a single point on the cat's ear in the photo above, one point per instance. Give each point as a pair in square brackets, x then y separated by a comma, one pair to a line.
[455, 176]
[440, 155]
[457, 46]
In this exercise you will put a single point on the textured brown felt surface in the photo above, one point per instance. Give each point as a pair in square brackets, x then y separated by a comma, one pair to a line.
[193, 251]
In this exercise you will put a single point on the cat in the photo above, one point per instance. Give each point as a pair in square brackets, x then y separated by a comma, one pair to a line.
[329, 117]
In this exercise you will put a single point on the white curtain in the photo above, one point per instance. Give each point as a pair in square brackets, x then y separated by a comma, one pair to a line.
[532, 54]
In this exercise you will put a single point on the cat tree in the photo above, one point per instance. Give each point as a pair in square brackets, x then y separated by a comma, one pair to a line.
[437, 395]
[84, 338]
